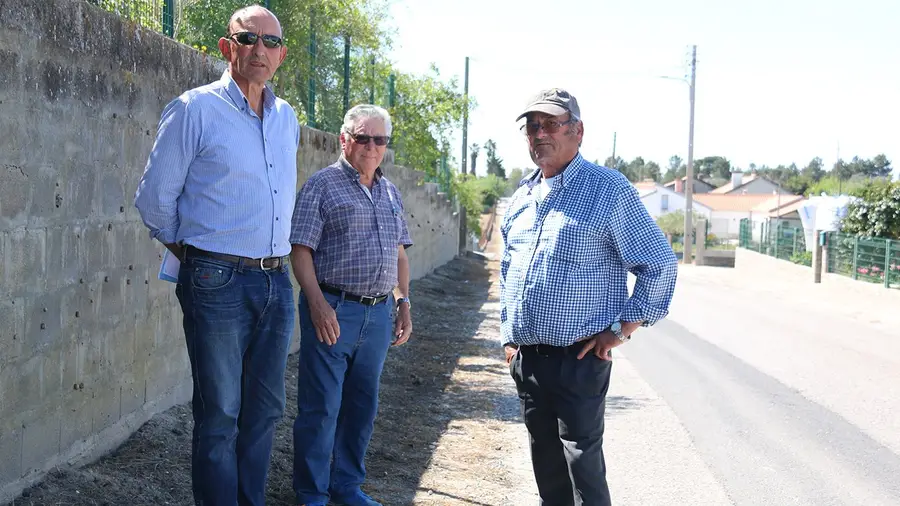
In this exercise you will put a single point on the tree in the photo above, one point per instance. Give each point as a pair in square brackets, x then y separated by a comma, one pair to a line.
[474, 149]
[676, 169]
[672, 224]
[842, 170]
[429, 110]
[881, 166]
[515, 177]
[814, 170]
[651, 170]
[713, 167]
[876, 213]
[494, 163]
[618, 164]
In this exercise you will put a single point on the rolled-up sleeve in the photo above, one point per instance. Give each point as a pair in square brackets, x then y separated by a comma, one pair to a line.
[163, 180]
[308, 221]
[646, 253]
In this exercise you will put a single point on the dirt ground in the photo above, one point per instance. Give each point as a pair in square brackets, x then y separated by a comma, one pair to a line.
[448, 430]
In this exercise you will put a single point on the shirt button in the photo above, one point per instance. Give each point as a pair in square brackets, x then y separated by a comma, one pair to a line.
[276, 191]
[270, 165]
[276, 218]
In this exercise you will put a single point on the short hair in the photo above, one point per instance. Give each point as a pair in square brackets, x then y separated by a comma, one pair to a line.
[364, 111]
[243, 11]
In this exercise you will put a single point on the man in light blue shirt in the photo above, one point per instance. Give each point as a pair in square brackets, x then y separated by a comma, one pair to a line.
[218, 192]
[572, 232]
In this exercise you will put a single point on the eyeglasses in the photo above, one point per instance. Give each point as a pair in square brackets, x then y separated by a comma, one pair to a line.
[250, 38]
[551, 126]
[380, 140]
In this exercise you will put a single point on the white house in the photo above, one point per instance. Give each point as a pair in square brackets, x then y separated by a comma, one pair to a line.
[729, 209]
[754, 184]
[660, 200]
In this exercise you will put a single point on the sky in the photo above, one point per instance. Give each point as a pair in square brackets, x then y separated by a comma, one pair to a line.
[778, 81]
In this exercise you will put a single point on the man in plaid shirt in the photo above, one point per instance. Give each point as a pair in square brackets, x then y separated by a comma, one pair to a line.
[572, 232]
[348, 238]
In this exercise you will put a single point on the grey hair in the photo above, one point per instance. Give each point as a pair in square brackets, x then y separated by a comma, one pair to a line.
[242, 12]
[365, 111]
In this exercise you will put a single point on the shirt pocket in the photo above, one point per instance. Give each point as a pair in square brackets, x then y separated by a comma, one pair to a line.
[573, 242]
[289, 158]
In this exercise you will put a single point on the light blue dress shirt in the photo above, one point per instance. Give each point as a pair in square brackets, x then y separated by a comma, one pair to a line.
[220, 178]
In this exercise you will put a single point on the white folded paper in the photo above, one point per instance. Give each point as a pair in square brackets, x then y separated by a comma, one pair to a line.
[168, 269]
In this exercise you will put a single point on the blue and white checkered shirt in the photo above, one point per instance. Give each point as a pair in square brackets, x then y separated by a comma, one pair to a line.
[354, 233]
[218, 177]
[566, 258]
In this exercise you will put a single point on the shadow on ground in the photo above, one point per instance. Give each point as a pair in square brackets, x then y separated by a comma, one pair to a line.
[417, 404]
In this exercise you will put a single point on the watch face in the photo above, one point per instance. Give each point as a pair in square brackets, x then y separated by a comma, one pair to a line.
[616, 327]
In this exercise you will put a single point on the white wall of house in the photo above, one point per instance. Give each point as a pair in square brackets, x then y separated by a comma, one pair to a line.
[727, 224]
[758, 219]
[664, 201]
[758, 186]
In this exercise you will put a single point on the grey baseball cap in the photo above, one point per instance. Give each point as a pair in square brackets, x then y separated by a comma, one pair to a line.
[554, 101]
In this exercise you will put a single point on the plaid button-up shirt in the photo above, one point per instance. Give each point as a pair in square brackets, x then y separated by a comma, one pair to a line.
[354, 232]
[564, 272]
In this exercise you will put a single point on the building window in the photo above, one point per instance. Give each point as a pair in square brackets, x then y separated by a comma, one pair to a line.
[664, 205]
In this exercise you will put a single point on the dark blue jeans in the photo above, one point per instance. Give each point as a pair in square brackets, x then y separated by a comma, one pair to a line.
[337, 399]
[238, 322]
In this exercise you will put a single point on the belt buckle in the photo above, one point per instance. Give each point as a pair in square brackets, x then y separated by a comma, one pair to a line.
[367, 301]
[261, 264]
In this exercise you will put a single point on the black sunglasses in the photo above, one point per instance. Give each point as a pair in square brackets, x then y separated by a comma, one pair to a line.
[250, 38]
[380, 140]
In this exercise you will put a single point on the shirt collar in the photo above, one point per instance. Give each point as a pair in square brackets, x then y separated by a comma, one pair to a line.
[234, 91]
[562, 179]
[351, 172]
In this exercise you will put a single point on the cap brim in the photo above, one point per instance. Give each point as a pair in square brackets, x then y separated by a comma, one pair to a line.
[551, 109]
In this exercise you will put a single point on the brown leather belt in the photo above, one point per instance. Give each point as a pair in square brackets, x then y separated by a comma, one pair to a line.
[262, 263]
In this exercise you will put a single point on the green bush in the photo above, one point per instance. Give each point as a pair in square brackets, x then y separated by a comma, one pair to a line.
[802, 258]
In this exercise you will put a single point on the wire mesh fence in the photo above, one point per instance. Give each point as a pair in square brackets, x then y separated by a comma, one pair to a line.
[776, 239]
[158, 15]
[870, 259]
[325, 71]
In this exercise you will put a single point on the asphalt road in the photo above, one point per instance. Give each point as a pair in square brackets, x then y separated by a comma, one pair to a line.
[780, 405]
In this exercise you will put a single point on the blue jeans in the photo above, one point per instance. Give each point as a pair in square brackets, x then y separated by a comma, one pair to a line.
[337, 399]
[238, 321]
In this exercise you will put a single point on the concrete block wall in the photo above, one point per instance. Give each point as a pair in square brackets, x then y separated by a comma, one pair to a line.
[91, 344]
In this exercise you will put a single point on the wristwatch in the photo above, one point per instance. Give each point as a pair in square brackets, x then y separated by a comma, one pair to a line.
[616, 328]
[401, 300]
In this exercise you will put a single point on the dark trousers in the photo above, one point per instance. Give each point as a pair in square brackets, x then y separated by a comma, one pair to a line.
[337, 400]
[563, 402]
[238, 322]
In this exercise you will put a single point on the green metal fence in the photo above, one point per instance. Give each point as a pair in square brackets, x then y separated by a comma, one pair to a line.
[777, 240]
[325, 72]
[870, 259]
[156, 15]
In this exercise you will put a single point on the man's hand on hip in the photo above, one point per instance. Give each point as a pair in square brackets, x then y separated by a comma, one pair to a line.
[325, 321]
[510, 353]
[599, 345]
[402, 325]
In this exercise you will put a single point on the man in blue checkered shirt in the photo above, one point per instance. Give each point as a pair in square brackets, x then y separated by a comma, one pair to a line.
[572, 233]
[349, 238]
